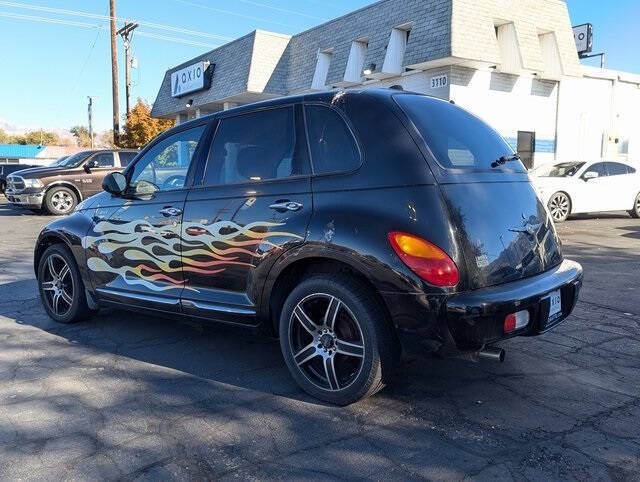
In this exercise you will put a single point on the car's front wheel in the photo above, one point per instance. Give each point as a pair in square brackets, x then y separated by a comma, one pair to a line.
[635, 212]
[336, 340]
[559, 207]
[60, 200]
[60, 284]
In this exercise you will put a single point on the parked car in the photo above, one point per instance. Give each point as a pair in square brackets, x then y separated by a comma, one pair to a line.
[6, 169]
[351, 224]
[60, 187]
[588, 187]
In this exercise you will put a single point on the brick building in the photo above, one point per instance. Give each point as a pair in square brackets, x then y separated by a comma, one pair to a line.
[512, 62]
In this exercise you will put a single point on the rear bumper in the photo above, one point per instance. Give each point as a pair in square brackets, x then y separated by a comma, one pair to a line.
[470, 320]
[476, 318]
[30, 200]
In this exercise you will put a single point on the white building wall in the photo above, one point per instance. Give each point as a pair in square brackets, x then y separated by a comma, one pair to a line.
[510, 104]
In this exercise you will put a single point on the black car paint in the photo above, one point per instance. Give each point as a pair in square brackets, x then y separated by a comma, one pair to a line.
[398, 187]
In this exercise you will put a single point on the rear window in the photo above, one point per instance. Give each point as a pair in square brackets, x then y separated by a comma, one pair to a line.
[126, 157]
[457, 138]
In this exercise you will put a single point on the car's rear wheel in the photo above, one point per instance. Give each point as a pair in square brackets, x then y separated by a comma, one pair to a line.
[559, 206]
[335, 339]
[60, 200]
[61, 288]
[635, 212]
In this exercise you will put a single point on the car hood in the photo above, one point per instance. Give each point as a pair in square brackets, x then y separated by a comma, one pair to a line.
[36, 172]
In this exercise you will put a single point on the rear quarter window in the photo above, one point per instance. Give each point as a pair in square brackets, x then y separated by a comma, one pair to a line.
[333, 148]
[457, 138]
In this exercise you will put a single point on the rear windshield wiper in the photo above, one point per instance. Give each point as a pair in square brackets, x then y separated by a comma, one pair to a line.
[504, 159]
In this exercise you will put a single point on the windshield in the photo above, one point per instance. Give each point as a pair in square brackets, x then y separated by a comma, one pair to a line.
[457, 138]
[58, 161]
[564, 169]
[71, 161]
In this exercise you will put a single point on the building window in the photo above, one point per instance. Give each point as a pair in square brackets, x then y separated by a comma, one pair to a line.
[353, 72]
[510, 58]
[394, 58]
[322, 69]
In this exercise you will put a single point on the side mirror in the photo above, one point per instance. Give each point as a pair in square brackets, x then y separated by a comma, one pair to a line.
[114, 183]
[590, 175]
[90, 165]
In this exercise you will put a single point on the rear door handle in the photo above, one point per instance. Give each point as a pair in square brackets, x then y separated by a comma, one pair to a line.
[170, 211]
[286, 206]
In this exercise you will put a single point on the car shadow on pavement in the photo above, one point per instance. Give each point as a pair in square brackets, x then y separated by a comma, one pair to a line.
[630, 231]
[143, 395]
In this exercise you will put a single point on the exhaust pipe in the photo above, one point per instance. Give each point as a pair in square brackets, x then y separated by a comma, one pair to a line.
[492, 353]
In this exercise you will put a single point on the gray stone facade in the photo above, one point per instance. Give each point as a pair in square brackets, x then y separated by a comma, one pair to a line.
[442, 34]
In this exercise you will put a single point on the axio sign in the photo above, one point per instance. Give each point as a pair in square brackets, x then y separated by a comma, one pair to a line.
[191, 78]
[583, 35]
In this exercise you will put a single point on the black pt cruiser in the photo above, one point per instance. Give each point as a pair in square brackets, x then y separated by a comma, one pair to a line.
[350, 224]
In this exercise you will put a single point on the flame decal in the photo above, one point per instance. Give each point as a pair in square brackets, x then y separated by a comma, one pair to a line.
[151, 254]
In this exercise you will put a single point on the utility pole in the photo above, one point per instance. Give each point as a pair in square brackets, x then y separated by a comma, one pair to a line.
[90, 113]
[126, 33]
[114, 74]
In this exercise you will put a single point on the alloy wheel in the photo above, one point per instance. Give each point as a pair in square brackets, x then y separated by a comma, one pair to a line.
[61, 201]
[57, 285]
[326, 341]
[559, 206]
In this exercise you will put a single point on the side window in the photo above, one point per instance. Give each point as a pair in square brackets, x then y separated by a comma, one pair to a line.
[104, 159]
[598, 167]
[164, 167]
[257, 146]
[333, 148]
[616, 169]
[126, 157]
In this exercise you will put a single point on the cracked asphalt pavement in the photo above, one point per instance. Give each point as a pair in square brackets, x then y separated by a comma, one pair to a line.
[128, 396]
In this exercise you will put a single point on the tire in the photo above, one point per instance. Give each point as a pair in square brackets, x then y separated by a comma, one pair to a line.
[357, 340]
[66, 285]
[635, 212]
[60, 200]
[3, 187]
[559, 206]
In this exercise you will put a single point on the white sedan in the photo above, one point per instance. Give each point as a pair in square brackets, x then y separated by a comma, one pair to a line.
[586, 187]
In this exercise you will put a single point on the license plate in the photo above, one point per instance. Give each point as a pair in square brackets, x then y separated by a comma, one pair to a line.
[555, 305]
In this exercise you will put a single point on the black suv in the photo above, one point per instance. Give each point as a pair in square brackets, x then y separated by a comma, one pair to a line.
[349, 223]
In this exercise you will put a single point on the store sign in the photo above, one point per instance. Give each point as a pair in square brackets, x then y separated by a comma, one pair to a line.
[191, 78]
[583, 35]
[439, 81]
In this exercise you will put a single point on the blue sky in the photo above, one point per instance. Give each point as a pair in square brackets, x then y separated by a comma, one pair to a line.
[48, 69]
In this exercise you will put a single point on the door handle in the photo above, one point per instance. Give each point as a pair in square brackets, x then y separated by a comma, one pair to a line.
[286, 206]
[170, 211]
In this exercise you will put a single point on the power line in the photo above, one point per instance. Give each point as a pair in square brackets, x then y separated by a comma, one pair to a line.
[73, 23]
[278, 9]
[79, 13]
[235, 14]
[176, 39]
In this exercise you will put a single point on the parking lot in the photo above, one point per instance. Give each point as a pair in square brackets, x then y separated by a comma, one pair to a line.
[136, 397]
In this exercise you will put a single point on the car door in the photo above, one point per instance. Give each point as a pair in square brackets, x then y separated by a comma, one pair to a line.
[620, 186]
[593, 193]
[253, 203]
[94, 170]
[133, 249]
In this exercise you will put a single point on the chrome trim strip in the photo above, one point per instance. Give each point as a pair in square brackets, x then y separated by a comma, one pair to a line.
[202, 305]
[140, 296]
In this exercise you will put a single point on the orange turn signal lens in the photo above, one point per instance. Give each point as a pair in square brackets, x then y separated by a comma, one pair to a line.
[425, 259]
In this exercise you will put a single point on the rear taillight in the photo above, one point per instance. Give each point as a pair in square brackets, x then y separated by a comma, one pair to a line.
[425, 259]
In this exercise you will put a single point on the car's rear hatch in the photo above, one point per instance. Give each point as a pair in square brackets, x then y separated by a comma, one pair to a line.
[503, 229]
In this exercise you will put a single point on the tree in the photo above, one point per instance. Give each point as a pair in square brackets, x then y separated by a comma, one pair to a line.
[106, 139]
[81, 133]
[42, 138]
[140, 127]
